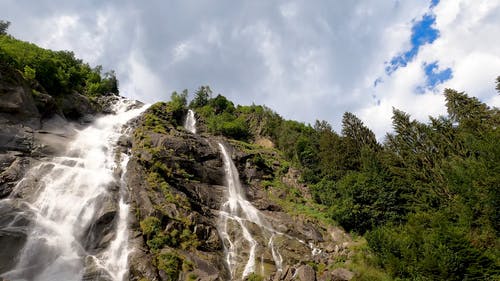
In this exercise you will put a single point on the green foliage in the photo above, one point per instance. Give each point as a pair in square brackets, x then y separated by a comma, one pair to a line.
[469, 112]
[428, 198]
[171, 264]
[254, 277]
[158, 237]
[178, 101]
[4, 25]
[430, 247]
[228, 125]
[221, 104]
[363, 201]
[202, 96]
[29, 73]
[161, 117]
[150, 226]
[220, 116]
[58, 72]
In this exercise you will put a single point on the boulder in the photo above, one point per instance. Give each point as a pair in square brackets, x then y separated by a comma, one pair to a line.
[100, 233]
[11, 174]
[16, 137]
[305, 273]
[46, 104]
[76, 106]
[341, 274]
[16, 95]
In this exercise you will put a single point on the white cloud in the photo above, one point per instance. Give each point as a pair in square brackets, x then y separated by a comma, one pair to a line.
[307, 60]
[289, 10]
[143, 81]
[466, 45]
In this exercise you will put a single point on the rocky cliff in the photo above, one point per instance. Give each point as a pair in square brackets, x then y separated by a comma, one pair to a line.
[176, 182]
[34, 124]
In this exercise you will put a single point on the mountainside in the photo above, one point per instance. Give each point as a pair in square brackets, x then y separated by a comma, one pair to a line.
[177, 187]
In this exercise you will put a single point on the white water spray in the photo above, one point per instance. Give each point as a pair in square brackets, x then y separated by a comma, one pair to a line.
[238, 218]
[116, 257]
[71, 192]
[190, 123]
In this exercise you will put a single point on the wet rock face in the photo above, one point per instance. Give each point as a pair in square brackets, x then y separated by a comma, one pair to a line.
[15, 224]
[176, 177]
[33, 126]
[177, 182]
[101, 232]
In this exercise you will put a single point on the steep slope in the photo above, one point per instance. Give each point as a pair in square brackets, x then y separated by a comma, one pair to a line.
[178, 185]
[59, 181]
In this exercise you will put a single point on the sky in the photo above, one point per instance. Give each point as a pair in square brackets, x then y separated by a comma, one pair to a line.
[307, 60]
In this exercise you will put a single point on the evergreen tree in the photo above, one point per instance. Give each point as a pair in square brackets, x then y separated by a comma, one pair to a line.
[201, 98]
[471, 114]
[355, 135]
[4, 25]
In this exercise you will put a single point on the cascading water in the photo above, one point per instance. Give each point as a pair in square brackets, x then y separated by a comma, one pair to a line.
[238, 222]
[240, 226]
[72, 192]
[190, 123]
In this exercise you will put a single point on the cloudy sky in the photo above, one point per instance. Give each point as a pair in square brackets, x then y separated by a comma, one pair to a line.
[307, 60]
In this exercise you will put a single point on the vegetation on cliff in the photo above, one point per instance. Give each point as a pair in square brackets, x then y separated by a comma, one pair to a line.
[57, 72]
[426, 199]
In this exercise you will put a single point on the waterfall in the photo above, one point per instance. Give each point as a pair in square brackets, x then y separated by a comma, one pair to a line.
[190, 123]
[72, 193]
[239, 221]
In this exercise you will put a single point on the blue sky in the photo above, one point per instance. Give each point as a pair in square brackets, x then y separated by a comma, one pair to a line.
[306, 60]
[423, 31]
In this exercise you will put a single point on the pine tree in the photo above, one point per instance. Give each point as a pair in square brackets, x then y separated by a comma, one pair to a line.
[355, 136]
[471, 114]
[4, 25]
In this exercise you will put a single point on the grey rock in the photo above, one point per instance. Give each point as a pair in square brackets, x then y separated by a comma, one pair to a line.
[16, 98]
[10, 175]
[306, 273]
[100, 233]
[46, 105]
[15, 224]
[76, 106]
[93, 272]
[341, 274]
[16, 137]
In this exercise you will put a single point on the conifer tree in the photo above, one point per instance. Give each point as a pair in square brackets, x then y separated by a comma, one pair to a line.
[4, 25]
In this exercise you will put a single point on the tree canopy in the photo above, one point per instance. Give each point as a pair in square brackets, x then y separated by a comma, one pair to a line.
[57, 72]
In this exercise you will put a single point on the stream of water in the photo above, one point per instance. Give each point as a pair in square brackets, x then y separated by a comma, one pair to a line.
[242, 226]
[190, 123]
[72, 191]
[239, 222]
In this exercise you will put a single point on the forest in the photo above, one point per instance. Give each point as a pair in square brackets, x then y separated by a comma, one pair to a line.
[426, 199]
[57, 72]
